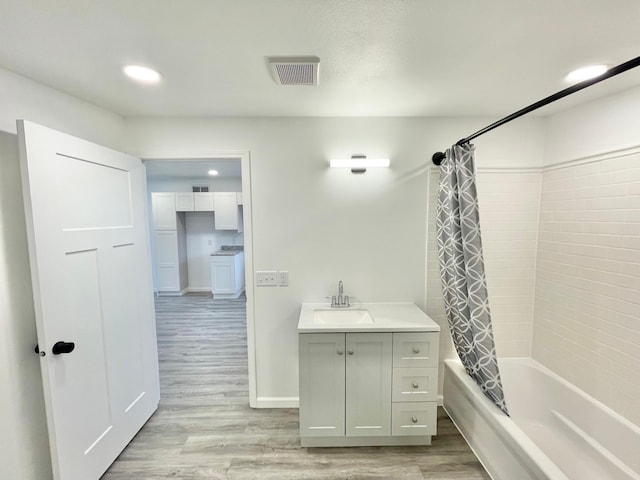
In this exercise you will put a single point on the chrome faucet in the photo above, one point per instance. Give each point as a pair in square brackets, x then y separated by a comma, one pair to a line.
[341, 301]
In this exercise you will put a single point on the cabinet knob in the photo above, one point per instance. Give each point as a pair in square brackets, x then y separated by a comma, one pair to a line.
[414, 419]
[350, 352]
[340, 351]
[415, 385]
[416, 350]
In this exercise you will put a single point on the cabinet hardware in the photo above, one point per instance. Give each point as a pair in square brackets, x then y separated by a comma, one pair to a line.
[416, 350]
[415, 385]
[414, 419]
[340, 351]
[350, 352]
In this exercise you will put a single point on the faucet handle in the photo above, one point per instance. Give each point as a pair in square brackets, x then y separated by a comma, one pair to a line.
[346, 301]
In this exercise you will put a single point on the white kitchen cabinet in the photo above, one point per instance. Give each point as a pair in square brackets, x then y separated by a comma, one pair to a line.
[227, 275]
[184, 202]
[163, 206]
[356, 390]
[203, 201]
[226, 208]
[169, 240]
[166, 260]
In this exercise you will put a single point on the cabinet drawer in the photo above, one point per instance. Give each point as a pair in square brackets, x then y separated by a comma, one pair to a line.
[418, 349]
[415, 384]
[414, 418]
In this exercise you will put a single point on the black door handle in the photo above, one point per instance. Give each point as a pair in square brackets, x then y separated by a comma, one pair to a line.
[63, 347]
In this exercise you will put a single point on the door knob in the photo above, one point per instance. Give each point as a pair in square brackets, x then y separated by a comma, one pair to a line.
[63, 347]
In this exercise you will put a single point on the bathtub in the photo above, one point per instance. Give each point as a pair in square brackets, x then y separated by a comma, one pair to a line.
[555, 432]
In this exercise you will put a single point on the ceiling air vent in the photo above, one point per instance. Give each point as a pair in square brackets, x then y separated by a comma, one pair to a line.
[295, 70]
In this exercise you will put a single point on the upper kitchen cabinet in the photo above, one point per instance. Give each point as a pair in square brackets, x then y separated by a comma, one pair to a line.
[184, 202]
[226, 209]
[164, 210]
[203, 201]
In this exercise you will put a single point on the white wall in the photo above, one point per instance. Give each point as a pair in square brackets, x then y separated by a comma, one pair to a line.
[24, 448]
[587, 300]
[24, 451]
[22, 98]
[326, 225]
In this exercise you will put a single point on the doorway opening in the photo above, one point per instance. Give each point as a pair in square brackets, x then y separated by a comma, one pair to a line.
[204, 253]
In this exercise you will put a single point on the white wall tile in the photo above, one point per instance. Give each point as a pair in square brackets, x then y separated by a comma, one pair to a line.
[587, 297]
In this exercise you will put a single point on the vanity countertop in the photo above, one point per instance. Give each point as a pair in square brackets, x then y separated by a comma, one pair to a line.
[387, 317]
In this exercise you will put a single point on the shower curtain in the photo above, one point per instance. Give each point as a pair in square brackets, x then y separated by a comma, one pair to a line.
[464, 286]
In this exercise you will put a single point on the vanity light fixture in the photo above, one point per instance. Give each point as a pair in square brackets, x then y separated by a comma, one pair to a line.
[213, 172]
[586, 73]
[359, 163]
[141, 74]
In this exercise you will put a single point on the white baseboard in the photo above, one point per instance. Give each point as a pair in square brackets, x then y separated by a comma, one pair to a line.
[277, 402]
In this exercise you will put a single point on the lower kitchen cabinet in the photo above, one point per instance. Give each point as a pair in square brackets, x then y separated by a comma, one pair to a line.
[227, 275]
[351, 392]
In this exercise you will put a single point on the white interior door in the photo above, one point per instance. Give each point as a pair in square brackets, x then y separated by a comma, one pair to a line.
[91, 273]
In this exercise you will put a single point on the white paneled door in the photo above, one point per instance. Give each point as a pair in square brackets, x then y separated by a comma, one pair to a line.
[91, 274]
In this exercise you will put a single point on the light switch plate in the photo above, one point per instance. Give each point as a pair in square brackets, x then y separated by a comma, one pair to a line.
[266, 278]
[283, 279]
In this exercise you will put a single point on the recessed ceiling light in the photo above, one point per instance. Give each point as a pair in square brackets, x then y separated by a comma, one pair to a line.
[586, 73]
[142, 74]
[213, 172]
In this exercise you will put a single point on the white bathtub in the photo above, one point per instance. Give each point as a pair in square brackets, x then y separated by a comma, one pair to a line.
[555, 432]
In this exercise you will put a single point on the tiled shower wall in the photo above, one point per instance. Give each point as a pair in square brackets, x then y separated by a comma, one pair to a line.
[509, 205]
[587, 297]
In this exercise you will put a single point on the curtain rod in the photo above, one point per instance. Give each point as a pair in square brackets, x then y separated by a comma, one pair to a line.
[438, 157]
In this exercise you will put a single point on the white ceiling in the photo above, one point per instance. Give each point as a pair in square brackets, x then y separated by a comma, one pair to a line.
[378, 57]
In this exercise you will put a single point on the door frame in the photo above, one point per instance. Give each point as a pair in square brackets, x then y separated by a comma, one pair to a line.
[244, 157]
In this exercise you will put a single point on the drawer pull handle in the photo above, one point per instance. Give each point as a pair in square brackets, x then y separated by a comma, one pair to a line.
[416, 350]
[415, 385]
[414, 419]
[340, 351]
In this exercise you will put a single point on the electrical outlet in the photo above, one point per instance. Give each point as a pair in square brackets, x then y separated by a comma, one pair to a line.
[266, 278]
[283, 279]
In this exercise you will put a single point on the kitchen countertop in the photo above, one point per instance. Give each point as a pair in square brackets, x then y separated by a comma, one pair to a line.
[387, 317]
[228, 251]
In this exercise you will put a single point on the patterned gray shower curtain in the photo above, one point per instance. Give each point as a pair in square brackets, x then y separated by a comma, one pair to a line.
[464, 287]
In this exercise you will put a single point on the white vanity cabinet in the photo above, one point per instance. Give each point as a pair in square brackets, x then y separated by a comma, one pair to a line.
[368, 388]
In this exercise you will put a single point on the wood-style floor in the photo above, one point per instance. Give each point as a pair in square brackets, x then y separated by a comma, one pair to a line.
[204, 428]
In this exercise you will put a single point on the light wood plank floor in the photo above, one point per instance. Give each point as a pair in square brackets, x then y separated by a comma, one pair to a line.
[204, 428]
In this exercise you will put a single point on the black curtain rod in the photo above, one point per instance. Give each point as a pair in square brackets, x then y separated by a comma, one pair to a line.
[438, 157]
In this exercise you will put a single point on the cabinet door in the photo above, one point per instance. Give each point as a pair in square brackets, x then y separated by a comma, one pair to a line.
[226, 210]
[322, 387]
[163, 206]
[166, 256]
[184, 202]
[223, 275]
[203, 201]
[368, 384]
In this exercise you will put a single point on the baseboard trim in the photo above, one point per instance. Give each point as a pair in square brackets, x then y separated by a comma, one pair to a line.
[277, 402]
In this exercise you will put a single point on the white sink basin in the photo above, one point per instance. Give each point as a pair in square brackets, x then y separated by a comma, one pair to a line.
[342, 317]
